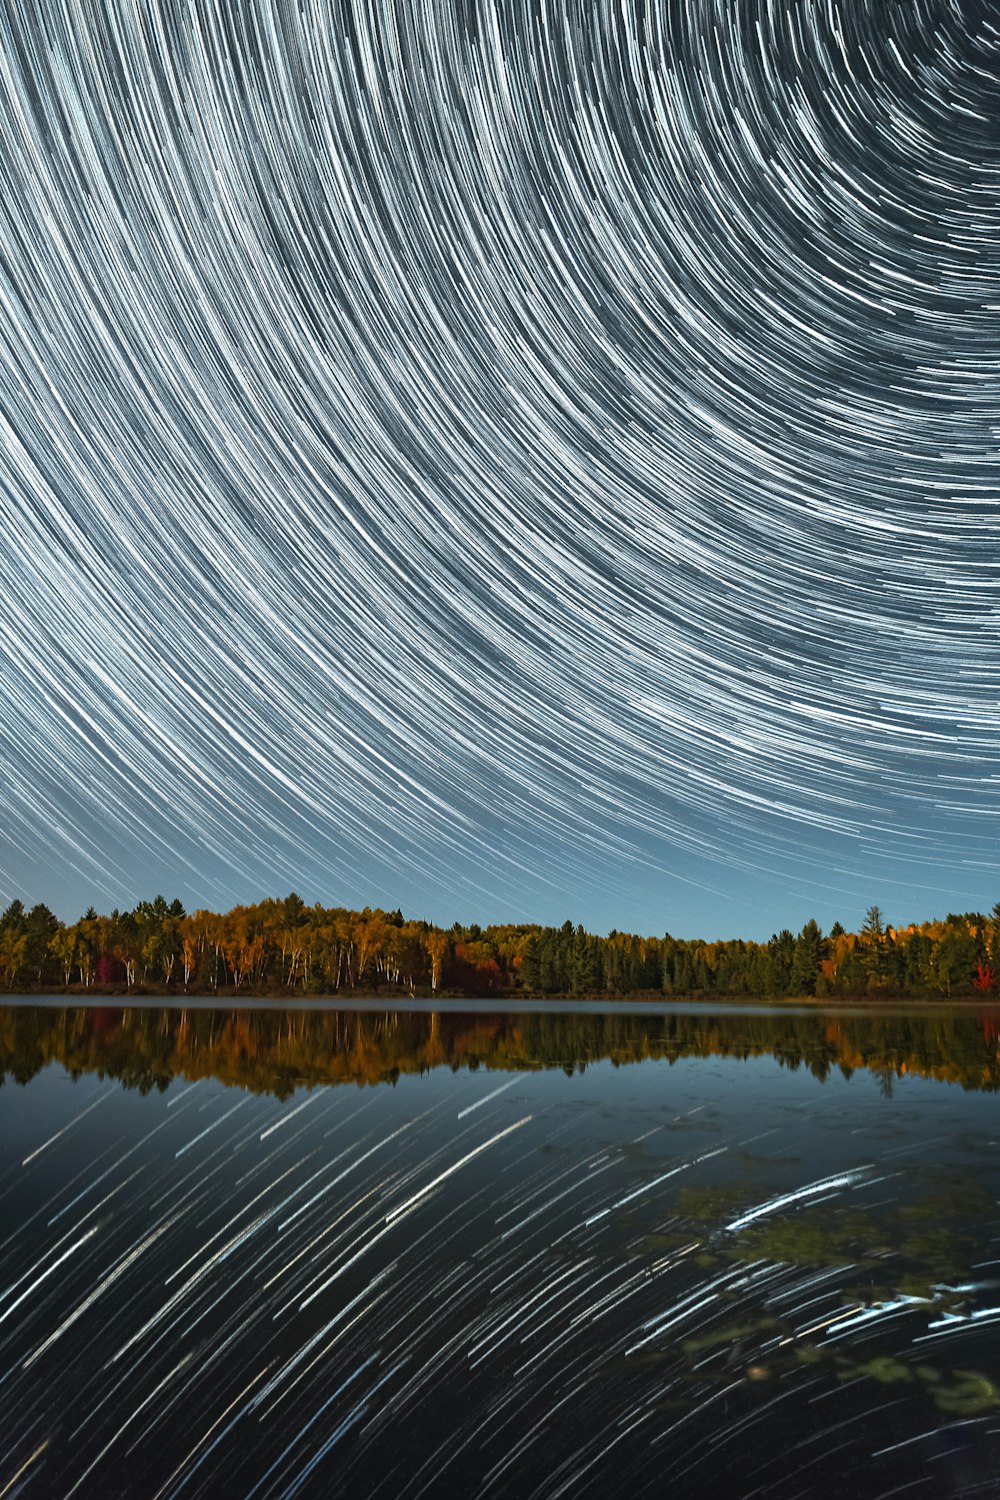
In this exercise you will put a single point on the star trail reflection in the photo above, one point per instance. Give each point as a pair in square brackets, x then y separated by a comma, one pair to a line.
[715, 1272]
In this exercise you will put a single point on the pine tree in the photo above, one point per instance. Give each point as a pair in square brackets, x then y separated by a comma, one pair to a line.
[806, 958]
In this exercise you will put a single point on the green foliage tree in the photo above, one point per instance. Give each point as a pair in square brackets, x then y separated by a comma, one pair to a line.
[41, 926]
[873, 938]
[807, 956]
[952, 960]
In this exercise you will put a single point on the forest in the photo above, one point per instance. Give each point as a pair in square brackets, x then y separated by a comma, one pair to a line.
[285, 948]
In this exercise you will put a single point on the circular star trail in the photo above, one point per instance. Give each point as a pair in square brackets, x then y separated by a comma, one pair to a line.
[497, 443]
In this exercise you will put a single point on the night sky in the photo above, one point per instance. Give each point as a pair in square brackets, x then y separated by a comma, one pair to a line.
[503, 460]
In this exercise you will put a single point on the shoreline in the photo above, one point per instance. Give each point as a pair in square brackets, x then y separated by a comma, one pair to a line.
[230, 999]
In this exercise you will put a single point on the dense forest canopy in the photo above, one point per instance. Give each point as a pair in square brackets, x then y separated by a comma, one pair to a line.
[283, 946]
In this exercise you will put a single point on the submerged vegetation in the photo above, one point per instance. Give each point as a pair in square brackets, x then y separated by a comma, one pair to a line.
[279, 947]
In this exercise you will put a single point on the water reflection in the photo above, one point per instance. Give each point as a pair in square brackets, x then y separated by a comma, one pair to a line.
[280, 1050]
[707, 1271]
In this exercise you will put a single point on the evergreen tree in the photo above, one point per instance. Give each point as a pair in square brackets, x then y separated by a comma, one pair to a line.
[781, 951]
[873, 937]
[584, 964]
[40, 927]
[806, 958]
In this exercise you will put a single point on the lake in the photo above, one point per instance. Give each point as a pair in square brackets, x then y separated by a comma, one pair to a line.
[459, 1252]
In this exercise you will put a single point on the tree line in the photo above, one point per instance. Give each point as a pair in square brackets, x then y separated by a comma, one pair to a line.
[284, 946]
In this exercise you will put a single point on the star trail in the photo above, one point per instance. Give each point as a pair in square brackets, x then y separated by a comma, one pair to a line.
[536, 456]
[453, 1288]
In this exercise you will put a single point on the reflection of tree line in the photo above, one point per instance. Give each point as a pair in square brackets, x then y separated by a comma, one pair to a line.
[277, 1051]
[277, 947]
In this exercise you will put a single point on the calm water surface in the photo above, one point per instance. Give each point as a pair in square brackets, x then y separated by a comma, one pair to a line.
[370, 1254]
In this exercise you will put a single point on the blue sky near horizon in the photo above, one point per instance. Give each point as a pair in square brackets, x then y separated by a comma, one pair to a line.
[506, 462]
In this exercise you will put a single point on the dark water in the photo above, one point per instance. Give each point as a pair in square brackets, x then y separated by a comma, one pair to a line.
[696, 1254]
